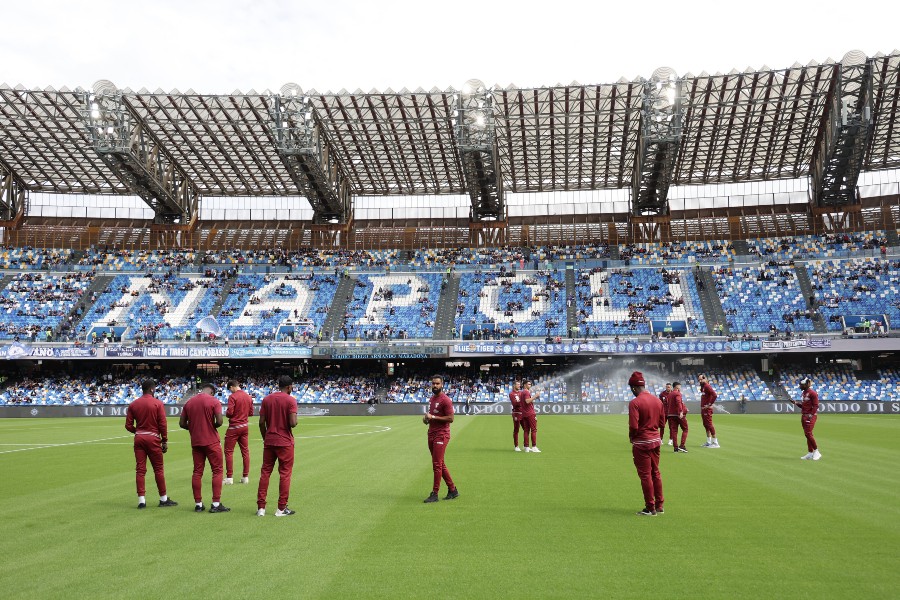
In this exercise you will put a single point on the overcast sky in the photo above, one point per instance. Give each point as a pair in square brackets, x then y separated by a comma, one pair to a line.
[217, 46]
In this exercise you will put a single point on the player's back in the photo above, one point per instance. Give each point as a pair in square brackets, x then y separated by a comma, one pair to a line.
[645, 415]
[240, 408]
[276, 409]
[201, 411]
[674, 404]
[148, 414]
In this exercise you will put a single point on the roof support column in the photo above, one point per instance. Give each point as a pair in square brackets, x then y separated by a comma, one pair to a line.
[308, 157]
[657, 151]
[477, 146]
[122, 141]
[846, 128]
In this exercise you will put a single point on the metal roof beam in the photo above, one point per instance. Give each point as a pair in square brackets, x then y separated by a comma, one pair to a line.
[308, 157]
[847, 126]
[12, 194]
[476, 141]
[658, 144]
[123, 142]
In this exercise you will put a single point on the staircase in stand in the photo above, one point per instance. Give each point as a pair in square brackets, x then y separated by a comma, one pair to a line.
[808, 292]
[445, 318]
[335, 317]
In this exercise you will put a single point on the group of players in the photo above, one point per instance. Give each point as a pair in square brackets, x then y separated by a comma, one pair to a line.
[647, 416]
[201, 416]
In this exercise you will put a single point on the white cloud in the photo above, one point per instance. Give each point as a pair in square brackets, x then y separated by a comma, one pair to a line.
[224, 45]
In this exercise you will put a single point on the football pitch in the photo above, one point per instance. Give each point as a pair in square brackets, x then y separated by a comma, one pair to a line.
[748, 520]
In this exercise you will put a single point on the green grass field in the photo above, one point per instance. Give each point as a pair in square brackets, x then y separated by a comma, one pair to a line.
[749, 520]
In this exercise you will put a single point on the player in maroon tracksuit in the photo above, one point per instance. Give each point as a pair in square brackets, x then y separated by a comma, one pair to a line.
[277, 419]
[676, 413]
[240, 408]
[146, 419]
[809, 414]
[707, 400]
[529, 417]
[664, 398]
[645, 419]
[516, 413]
[202, 416]
[438, 418]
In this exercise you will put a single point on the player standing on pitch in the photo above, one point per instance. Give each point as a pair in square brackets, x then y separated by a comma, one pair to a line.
[809, 413]
[529, 417]
[438, 419]
[277, 419]
[240, 409]
[676, 413]
[202, 416]
[146, 419]
[516, 412]
[664, 398]
[645, 420]
[707, 400]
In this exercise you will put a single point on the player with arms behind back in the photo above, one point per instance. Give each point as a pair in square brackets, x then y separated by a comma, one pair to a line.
[516, 404]
[438, 419]
[240, 409]
[707, 400]
[676, 413]
[202, 416]
[529, 417]
[277, 419]
[664, 398]
[146, 419]
[809, 414]
[645, 420]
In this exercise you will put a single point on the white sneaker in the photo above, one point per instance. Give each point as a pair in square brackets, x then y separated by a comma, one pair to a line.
[228, 481]
[535, 449]
[245, 480]
[518, 449]
[714, 445]
[284, 513]
[807, 456]
[670, 443]
[816, 455]
[527, 449]
[261, 512]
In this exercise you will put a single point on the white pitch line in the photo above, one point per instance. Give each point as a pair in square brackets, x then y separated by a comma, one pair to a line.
[36, 447]
[382, 429]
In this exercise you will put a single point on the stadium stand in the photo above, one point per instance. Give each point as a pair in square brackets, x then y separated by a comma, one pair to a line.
[33, 258]
[80, 390]
[392, 306]
[730, 384]
[835, 383]
[486, 257]
[758, 298]
[857, 286]
[137, 260]
[677, 252]
[524, 304]
[152, 308]
[302, 258]
[839, 383]
[34, 304]
[810, 246]
[259, 304]
[624, 301]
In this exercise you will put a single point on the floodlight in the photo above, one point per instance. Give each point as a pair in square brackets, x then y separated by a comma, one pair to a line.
[290, 89]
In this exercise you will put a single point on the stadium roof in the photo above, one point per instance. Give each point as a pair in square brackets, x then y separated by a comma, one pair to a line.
[739, 126]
